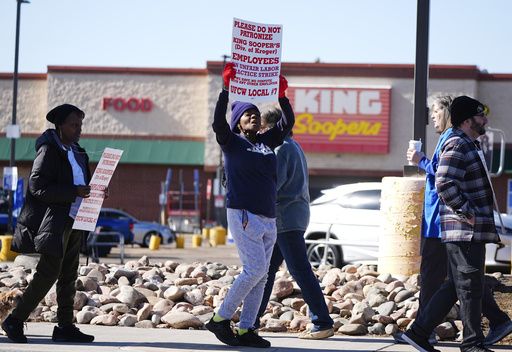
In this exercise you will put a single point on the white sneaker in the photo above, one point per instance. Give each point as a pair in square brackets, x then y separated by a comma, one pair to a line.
[399, 338]
[316, 335]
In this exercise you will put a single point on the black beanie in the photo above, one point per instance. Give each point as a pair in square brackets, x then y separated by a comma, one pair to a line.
[463, 108]
[58, 114]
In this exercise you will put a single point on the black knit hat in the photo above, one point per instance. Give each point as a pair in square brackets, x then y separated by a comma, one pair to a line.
[58, 114]
[463, 108]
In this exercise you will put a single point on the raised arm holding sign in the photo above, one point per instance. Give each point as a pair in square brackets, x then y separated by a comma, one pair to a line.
[251, 168]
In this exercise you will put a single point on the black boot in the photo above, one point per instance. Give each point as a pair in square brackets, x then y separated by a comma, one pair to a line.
[14, 329]
[70, 333]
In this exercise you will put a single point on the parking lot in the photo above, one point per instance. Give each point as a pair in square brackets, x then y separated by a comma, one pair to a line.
[225, 254]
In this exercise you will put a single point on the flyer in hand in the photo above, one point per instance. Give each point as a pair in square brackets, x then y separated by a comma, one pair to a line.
[89, 211]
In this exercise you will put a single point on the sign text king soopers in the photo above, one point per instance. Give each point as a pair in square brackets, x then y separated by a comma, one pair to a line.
[341, 119]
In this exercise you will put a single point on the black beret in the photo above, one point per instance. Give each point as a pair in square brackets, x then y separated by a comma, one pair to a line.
[58, 114]
[463, 108]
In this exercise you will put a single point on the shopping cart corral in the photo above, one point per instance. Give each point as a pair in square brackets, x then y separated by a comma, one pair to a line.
[98, 238]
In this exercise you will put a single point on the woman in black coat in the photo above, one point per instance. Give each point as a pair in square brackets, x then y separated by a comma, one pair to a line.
[57, 184]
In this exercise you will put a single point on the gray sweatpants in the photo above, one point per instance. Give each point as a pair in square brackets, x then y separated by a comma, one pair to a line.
[254, 237]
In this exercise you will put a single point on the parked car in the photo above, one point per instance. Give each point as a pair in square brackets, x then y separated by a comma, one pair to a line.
[113, 221]
[142, 230]
[4, 216]
[349, 215]
[110, 227]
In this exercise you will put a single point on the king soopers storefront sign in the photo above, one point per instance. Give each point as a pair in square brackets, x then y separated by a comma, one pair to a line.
[340, 119]
[327, 119]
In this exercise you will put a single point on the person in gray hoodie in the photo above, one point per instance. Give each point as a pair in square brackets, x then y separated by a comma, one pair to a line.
[291, 221]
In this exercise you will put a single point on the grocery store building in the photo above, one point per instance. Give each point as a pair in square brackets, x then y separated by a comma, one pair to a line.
[354, 122]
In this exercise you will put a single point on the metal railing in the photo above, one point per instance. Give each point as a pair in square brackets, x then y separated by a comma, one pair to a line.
[93, 242]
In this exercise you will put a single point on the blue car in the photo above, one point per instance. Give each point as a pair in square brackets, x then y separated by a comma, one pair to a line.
[141, 230]
[4, 216]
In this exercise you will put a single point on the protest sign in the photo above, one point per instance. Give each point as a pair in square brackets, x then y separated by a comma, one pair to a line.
[10, 178]
[256, 54]
[89, 210]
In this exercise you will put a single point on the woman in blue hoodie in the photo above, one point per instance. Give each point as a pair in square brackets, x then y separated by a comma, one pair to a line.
[434, 260]
[251, 174]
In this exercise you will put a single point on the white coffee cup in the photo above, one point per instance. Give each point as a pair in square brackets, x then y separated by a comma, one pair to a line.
[414, 145]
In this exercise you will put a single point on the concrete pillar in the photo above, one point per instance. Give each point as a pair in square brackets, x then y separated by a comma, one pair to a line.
[401, 211]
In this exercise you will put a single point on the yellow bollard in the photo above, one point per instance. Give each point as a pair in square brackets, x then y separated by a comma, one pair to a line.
[180, 242]
[154, 242]
[5, 252]
[217, 236]
[206, 233]
[221, 235]
[213, 237]
[196, 240]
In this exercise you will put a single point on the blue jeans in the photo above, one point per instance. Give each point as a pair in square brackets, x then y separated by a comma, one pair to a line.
[466, 283]
[291, 247]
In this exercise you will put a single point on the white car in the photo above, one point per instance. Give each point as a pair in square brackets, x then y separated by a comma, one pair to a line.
[348, 217]
[142, 230]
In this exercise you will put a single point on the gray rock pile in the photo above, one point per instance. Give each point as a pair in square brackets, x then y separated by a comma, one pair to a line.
[184, 296]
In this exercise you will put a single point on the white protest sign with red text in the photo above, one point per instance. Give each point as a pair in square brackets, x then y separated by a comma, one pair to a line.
[256, 54]
[89, 210]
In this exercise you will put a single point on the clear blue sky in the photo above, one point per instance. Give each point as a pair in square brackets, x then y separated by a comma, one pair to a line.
[187, 34]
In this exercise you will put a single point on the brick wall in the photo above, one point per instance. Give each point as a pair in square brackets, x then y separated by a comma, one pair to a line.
[135, 188]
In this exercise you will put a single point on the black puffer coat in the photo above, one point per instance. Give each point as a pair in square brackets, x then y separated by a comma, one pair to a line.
[50, 193]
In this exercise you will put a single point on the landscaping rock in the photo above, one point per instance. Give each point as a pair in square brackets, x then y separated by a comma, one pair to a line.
[184, 296]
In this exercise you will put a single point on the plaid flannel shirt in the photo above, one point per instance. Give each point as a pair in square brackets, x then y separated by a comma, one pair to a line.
[464, 190]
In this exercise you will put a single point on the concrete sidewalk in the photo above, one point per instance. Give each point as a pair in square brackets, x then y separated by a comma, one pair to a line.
[115, 338]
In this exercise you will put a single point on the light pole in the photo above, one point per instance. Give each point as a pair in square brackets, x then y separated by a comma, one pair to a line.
[225, 57]
[420, 117]
[10, 228]
[220, 211]
[421, 72]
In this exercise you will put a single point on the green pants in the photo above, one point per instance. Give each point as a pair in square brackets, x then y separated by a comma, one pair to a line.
[50, 269]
